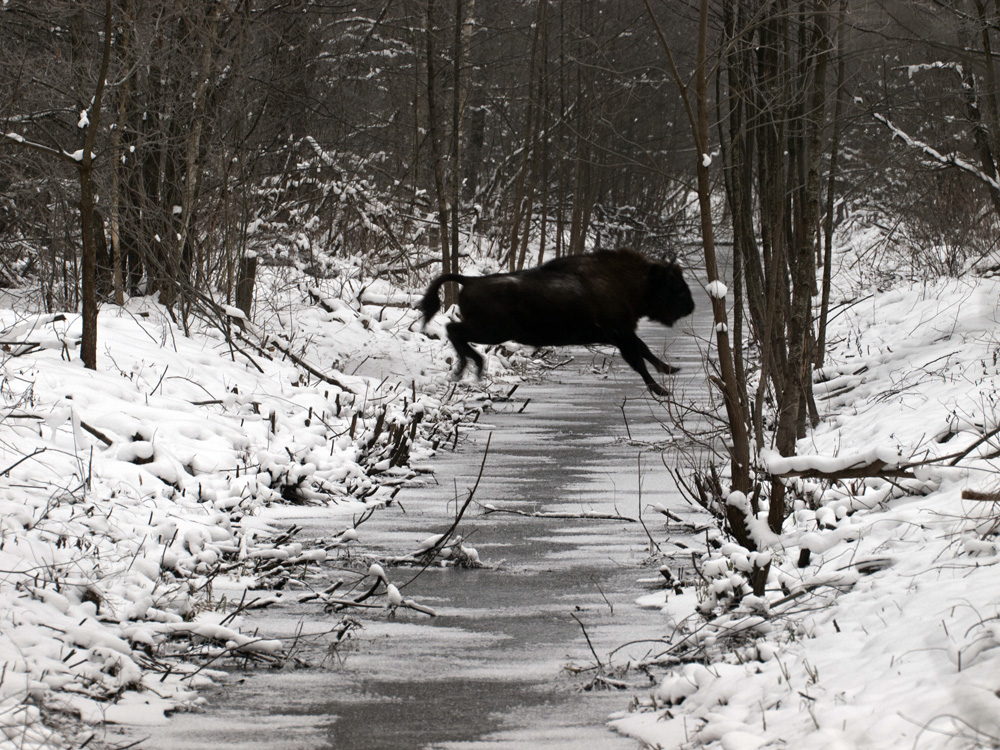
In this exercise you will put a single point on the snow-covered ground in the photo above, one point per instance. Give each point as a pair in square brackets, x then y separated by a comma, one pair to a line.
[134, 498]
[881, 626]
[134, 510]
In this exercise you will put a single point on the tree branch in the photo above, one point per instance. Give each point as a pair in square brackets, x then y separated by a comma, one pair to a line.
[948, 160]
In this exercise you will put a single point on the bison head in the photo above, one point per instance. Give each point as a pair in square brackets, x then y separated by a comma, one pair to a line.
[668, 297]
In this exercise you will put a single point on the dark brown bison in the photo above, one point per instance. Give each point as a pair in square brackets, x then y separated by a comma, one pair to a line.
[582, 299]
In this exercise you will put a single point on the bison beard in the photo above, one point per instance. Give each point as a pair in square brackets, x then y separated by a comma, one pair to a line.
[582, 299]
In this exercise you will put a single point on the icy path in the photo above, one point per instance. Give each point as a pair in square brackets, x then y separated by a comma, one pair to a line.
[489, 671]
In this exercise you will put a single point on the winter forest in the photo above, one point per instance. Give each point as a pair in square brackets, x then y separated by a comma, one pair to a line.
[242, 502]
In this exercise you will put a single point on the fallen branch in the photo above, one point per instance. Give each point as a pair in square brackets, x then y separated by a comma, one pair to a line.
[432, 552]
[30, 347]
[585, 515]
[556, 365]
[306, 366]
[410, 604]
[877, 468]
[880, 469]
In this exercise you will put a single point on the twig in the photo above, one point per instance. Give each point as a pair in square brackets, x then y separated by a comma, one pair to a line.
[6, 472]
[556, 365]
[96, 433]
[306, 366]
[607, 601]
[625, 418]
[600, 664]
[962, 454]
[431, 552]
[638, 468]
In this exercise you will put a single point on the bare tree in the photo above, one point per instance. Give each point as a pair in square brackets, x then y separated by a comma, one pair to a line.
[83, 159]
[726, 378]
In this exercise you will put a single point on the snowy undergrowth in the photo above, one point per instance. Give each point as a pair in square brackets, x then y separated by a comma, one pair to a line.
[131, 495]
[881, 623]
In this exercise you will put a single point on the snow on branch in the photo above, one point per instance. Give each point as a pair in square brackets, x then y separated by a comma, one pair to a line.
[76, 156]
[952, 160]
[912, 70]
[875, 462]
[757, 527]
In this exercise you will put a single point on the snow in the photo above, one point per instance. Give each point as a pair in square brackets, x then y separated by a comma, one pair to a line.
[132, 495]
[887, 634]
[716, 289]
[912, 70]
[134, 499]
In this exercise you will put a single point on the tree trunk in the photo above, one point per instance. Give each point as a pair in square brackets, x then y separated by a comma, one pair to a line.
[831, 192]
[437, 157]
[791, 415]
[726, 380]
[459, 55]
[245, 280]
[88, 266]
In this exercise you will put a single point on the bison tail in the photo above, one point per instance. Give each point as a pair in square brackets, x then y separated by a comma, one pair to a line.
[431, 303]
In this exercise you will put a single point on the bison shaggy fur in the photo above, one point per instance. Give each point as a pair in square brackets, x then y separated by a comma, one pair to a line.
[596, 298]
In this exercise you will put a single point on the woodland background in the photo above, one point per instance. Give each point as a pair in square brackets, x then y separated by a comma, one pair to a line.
[171, 148]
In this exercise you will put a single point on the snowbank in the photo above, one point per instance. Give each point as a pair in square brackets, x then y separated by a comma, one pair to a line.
[132, 495]
[881, 623]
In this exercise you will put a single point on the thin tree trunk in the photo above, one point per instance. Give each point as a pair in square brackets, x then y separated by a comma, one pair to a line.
[433, 131]
[831, 192]
[461, 51]
[790, 413]
[245, 280]
[88, 270]
[522, 187]
[726, 380]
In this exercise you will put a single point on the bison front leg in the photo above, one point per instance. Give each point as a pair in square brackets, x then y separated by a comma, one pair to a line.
[633, 351]
[659, 364]
[459, 338]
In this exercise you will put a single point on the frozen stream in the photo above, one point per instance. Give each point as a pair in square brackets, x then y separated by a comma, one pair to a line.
[490, 670]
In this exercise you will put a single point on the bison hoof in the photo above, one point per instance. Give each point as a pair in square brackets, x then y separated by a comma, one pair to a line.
[669, 369]
[658, 390]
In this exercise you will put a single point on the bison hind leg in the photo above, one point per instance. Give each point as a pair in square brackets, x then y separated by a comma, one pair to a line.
[459, 339]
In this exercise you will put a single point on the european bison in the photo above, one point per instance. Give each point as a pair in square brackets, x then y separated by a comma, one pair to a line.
[581, 299]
